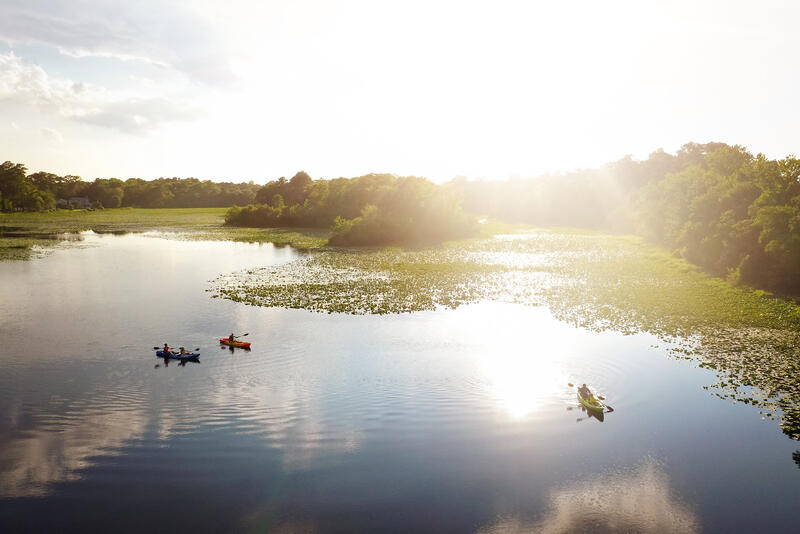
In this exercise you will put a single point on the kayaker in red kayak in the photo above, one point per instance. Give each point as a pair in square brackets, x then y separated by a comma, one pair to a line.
[234, 341]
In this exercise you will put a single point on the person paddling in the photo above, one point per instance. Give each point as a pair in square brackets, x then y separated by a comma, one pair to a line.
[183, 351]
[231, 338]
[584, 392]
[166, 349]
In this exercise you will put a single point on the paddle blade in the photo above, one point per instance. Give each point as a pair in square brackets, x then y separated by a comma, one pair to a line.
[570, 384]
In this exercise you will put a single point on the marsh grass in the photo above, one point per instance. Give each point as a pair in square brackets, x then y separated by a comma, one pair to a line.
[301, 238]
[14, 248]
[592, 280]
[25, 236]
[113, 220]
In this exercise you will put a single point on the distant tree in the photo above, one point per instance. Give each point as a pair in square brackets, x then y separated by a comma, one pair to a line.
[69, 186]
[296, 189]
[45, 181]
[30, 198]
[277, 202]
[12, 179]
[108, 192]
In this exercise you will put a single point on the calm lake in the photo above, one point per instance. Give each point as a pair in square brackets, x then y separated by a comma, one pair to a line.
[445, 421]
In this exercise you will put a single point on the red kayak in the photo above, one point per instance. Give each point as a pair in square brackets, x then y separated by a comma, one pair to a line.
[234, 343]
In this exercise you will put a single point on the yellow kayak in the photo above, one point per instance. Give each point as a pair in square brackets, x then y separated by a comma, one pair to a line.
[591, 403]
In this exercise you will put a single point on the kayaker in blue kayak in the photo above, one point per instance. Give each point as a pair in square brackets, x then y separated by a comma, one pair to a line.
[183, 351]
[166, 349]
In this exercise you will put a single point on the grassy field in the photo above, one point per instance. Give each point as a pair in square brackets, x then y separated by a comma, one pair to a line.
[24, 235]
[113, 220]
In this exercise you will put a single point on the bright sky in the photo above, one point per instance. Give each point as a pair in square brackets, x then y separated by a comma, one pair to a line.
[256, 90]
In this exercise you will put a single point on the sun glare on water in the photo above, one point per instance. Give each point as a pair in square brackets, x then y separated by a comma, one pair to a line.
[522, 356]
[523, 381]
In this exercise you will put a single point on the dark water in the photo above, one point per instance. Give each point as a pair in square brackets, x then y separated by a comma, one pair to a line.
[448, 421]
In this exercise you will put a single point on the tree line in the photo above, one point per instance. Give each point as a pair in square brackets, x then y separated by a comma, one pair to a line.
[735, 214]
[375, 209]
[20, 191]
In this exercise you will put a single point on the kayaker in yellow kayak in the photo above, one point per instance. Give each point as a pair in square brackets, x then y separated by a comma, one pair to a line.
[584, 391]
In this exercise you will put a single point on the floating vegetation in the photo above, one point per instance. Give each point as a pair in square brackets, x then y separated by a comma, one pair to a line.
[300, 238]
[327, 283]
[595, 281]
[16, 248]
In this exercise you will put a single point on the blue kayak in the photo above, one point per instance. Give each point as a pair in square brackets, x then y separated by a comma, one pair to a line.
[177, 356]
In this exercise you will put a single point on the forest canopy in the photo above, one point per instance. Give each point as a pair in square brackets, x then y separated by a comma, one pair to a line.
[41, 191]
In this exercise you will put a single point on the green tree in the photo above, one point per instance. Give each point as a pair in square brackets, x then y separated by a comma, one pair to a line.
[45, 181]
[12, 179]
[30, 198]
[108, 192]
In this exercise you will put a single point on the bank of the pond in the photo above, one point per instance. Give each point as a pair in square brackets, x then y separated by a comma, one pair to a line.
[113, 220]
[25, 235]
[592, 280]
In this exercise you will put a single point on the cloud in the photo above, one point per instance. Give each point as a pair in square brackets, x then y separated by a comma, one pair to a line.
[640, 500]
[138, 114]
[52, 135]
[42, 459]
[28, 84]
[166, 34]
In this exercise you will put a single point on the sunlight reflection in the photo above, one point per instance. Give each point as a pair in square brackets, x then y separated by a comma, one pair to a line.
[523, 356]
[523, 381]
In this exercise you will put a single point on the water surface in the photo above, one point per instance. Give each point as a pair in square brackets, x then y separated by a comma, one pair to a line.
[447, 421]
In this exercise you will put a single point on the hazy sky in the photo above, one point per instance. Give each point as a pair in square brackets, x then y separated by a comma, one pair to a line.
[256, 90]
